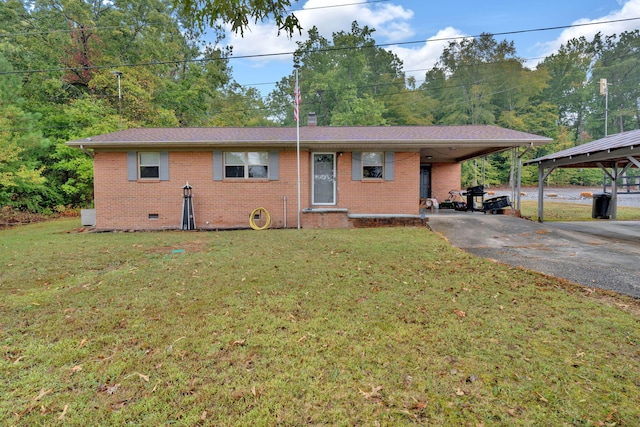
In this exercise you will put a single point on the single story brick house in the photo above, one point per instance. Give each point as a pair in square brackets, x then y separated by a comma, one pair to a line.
[345, 172]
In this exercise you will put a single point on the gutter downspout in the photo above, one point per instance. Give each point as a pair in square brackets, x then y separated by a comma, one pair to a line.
[88, 153]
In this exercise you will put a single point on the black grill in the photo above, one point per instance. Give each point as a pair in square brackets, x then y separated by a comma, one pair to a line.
[472, 193]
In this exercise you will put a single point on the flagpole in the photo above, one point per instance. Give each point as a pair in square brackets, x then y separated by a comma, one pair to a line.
[297, 113]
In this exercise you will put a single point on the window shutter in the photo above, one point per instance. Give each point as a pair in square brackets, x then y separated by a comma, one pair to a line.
[132, 166]
[389, 165]
[218, 166]
[274, 165]
[356, 166]
[164, 166]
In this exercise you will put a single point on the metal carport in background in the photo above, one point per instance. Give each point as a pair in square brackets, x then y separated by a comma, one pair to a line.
[614, 154]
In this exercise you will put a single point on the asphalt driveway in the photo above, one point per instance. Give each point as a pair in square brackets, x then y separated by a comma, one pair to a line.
[603, 254]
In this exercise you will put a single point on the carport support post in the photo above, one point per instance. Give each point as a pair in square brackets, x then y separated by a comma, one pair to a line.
[520, 177]
[541, 177]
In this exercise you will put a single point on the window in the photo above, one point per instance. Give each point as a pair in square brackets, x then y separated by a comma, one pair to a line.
[246, 165]
[372, 165]
[149, 164]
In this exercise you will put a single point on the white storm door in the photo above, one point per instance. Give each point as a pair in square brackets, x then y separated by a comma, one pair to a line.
[323, 186]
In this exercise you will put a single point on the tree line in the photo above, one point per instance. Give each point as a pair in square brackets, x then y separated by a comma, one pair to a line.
[59, 61]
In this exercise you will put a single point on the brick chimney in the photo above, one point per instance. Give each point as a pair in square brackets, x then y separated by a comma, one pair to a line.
[312, 120]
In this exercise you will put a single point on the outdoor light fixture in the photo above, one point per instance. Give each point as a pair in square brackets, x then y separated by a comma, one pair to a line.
[188, 218]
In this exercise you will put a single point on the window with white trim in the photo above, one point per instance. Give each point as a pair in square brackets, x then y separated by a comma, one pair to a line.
[246, 164]
[149, 165]
[372, 165]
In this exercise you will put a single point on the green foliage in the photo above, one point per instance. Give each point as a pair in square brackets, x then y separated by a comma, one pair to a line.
[239, 13]
[23, 150]
[358, 112]
[171, 76]
[617, 61]
[345, 81]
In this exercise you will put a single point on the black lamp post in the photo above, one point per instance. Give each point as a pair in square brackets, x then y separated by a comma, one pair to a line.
[188, 219]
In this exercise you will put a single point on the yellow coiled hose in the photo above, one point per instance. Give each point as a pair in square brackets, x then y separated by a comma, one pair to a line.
[267, 222]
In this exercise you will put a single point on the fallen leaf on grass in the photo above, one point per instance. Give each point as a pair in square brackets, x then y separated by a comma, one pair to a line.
[203, 416]
[118, 405]
[64, 412]
[460, 313]
[42, 394]
[541, 397]
[113, 389]
[15, 362]
[459, 392]
[417, 405]
[373, 393]
[141, 376]
[75, 369]
[83, 343]
[515, 411]
[239, 342]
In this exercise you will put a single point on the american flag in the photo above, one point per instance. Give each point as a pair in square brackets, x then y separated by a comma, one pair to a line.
[296, 104]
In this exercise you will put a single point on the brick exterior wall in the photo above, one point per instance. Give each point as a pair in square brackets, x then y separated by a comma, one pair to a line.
[127, 205]
[444, 178]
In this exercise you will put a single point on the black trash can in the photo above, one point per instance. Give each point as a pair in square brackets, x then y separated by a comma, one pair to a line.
[601, 203]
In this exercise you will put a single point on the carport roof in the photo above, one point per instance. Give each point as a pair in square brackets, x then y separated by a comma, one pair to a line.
[620, 148]
[434, 143]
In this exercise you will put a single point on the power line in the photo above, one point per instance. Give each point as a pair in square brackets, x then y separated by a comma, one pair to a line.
[329, 49]
[337, 5]
[113, 27]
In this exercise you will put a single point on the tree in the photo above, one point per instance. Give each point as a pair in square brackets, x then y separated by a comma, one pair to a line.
[482, 81]
[345, 81]
[617, 61]
[22, 149]
[474, 80]
[568, 71]
[239, 13]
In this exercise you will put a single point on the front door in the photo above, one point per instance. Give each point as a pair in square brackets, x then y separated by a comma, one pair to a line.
[425, 182]
[323, 185]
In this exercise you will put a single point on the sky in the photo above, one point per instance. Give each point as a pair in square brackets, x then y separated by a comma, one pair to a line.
[414, 30]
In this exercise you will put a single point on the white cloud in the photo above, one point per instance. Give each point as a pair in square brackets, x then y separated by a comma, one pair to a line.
[419, 60]
[391, 23]
[630, 9]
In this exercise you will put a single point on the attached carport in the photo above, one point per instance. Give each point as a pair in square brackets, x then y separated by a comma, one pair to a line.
[614, 154]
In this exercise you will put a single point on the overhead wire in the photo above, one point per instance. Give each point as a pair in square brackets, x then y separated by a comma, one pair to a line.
[171, 62]
[328, 49]
[111, 27]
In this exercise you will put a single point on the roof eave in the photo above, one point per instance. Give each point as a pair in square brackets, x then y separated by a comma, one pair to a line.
[316, 144]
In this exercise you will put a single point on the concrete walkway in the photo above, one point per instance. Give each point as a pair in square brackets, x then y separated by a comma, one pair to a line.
[603, 254]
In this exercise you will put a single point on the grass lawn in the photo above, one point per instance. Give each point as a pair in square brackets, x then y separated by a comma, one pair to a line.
[293, 327]
[563, 211]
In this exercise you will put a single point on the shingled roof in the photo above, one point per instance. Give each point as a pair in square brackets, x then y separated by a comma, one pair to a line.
[440, 143]
[606, 151]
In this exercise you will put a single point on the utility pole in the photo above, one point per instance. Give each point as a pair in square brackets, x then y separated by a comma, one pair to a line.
[604, 90]
[119, 74]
